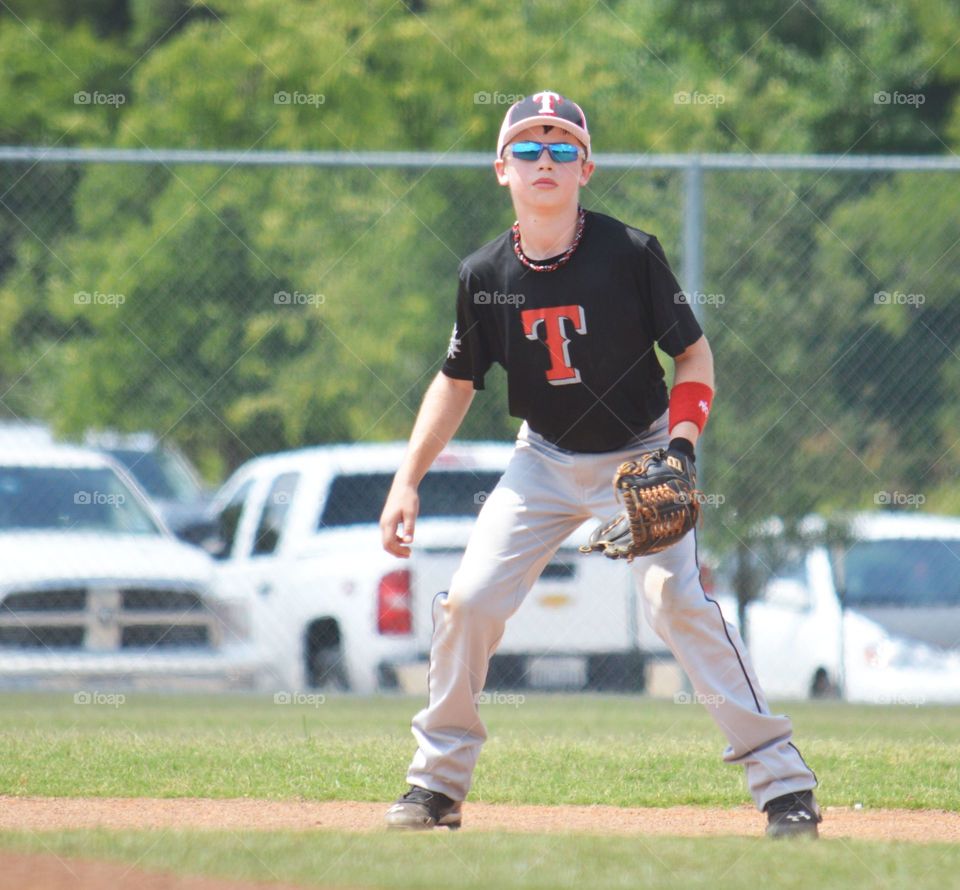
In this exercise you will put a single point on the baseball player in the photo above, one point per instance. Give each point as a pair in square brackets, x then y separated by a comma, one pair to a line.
[570, 303]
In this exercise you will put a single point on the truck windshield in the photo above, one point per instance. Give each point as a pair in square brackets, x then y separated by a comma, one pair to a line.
[912, 572]
[357, 498]
[79, 499]
[159, 473]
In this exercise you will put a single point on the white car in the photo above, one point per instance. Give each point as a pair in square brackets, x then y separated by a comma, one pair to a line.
[94, 589]
[299, 538]
[887, 630]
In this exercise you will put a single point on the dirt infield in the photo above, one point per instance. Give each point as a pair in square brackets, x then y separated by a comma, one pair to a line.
[53, 814]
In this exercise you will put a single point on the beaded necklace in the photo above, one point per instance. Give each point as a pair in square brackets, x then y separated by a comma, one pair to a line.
[562, 259]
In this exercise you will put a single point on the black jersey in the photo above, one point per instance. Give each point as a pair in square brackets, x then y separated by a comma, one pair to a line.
[577, 343]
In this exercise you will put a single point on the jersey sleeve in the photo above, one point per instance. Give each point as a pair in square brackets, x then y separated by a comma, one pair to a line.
[467, 355]
[674, 325]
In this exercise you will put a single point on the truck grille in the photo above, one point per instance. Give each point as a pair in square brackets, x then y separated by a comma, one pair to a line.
[106, 618]
[46, 601]
[41, 637]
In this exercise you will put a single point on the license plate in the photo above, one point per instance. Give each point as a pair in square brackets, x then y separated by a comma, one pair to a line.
[555, 672]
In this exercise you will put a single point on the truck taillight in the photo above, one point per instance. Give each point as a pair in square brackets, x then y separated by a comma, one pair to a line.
[393, 603]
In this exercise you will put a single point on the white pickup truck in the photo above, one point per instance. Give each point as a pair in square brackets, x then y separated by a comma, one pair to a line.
[95, 592]
[299, 539]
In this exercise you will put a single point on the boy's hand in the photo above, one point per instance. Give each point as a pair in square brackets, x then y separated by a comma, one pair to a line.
[398, 519]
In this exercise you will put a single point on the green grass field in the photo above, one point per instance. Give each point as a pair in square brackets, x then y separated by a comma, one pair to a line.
[482, 861]
[542, 749]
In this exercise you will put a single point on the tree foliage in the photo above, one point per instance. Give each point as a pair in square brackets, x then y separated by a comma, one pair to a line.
[815, 377]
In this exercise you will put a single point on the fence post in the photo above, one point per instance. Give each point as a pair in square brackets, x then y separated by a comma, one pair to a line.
[693, 231]
[692, 270]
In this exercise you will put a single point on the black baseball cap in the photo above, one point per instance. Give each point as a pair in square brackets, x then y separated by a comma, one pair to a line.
[545, 109]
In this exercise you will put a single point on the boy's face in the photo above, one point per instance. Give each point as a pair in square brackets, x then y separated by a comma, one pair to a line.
[544, 182]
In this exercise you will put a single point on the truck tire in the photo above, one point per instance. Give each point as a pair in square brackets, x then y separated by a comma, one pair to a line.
[506, 672]
[324, 657]
[617, 671]
[822, 686]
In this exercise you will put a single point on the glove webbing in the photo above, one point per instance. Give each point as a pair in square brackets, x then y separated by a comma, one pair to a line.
[646, 522]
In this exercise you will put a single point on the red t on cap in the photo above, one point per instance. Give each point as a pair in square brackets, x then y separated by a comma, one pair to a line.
[545, 109]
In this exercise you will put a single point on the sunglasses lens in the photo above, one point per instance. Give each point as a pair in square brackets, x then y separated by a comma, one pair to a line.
[526, 151]
[561, 152]
[564, 152]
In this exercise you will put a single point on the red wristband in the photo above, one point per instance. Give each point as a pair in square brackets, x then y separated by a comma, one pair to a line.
[690, 401]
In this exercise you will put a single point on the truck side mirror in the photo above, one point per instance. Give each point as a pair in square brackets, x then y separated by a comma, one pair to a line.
[205, 534]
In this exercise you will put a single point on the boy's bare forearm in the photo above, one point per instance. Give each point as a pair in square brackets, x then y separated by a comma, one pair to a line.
[444, 406]
[695, 365]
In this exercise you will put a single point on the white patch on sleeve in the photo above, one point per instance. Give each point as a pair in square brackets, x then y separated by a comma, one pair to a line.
[454, 346]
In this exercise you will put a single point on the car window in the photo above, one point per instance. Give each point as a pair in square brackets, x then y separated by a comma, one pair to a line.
[159, 473]
[357, 498]
[793, 567]
[276, 507]
[780, 570]
[80, 499]
[912, 572]
[230, 518]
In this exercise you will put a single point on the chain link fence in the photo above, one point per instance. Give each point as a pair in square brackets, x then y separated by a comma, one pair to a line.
[189, 311]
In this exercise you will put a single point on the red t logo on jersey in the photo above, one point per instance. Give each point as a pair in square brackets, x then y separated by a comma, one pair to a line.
[552, 317]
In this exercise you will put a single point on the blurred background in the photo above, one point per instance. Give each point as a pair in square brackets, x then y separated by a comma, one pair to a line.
[232, 229]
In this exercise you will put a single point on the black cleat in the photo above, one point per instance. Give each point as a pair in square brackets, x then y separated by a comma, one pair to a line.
[421, 810]
[793, 815]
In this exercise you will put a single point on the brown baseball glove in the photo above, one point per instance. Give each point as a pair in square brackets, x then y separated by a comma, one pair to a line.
[661, 504]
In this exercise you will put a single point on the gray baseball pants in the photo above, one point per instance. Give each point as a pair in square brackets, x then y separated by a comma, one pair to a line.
[545, 494]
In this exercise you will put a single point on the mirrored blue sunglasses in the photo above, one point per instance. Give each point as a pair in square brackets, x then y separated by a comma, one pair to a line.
[561, 152]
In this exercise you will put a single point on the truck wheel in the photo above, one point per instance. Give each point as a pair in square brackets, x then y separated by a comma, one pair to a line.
[506, 672]
[616, 672]
[822, 686]
[324, 656]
